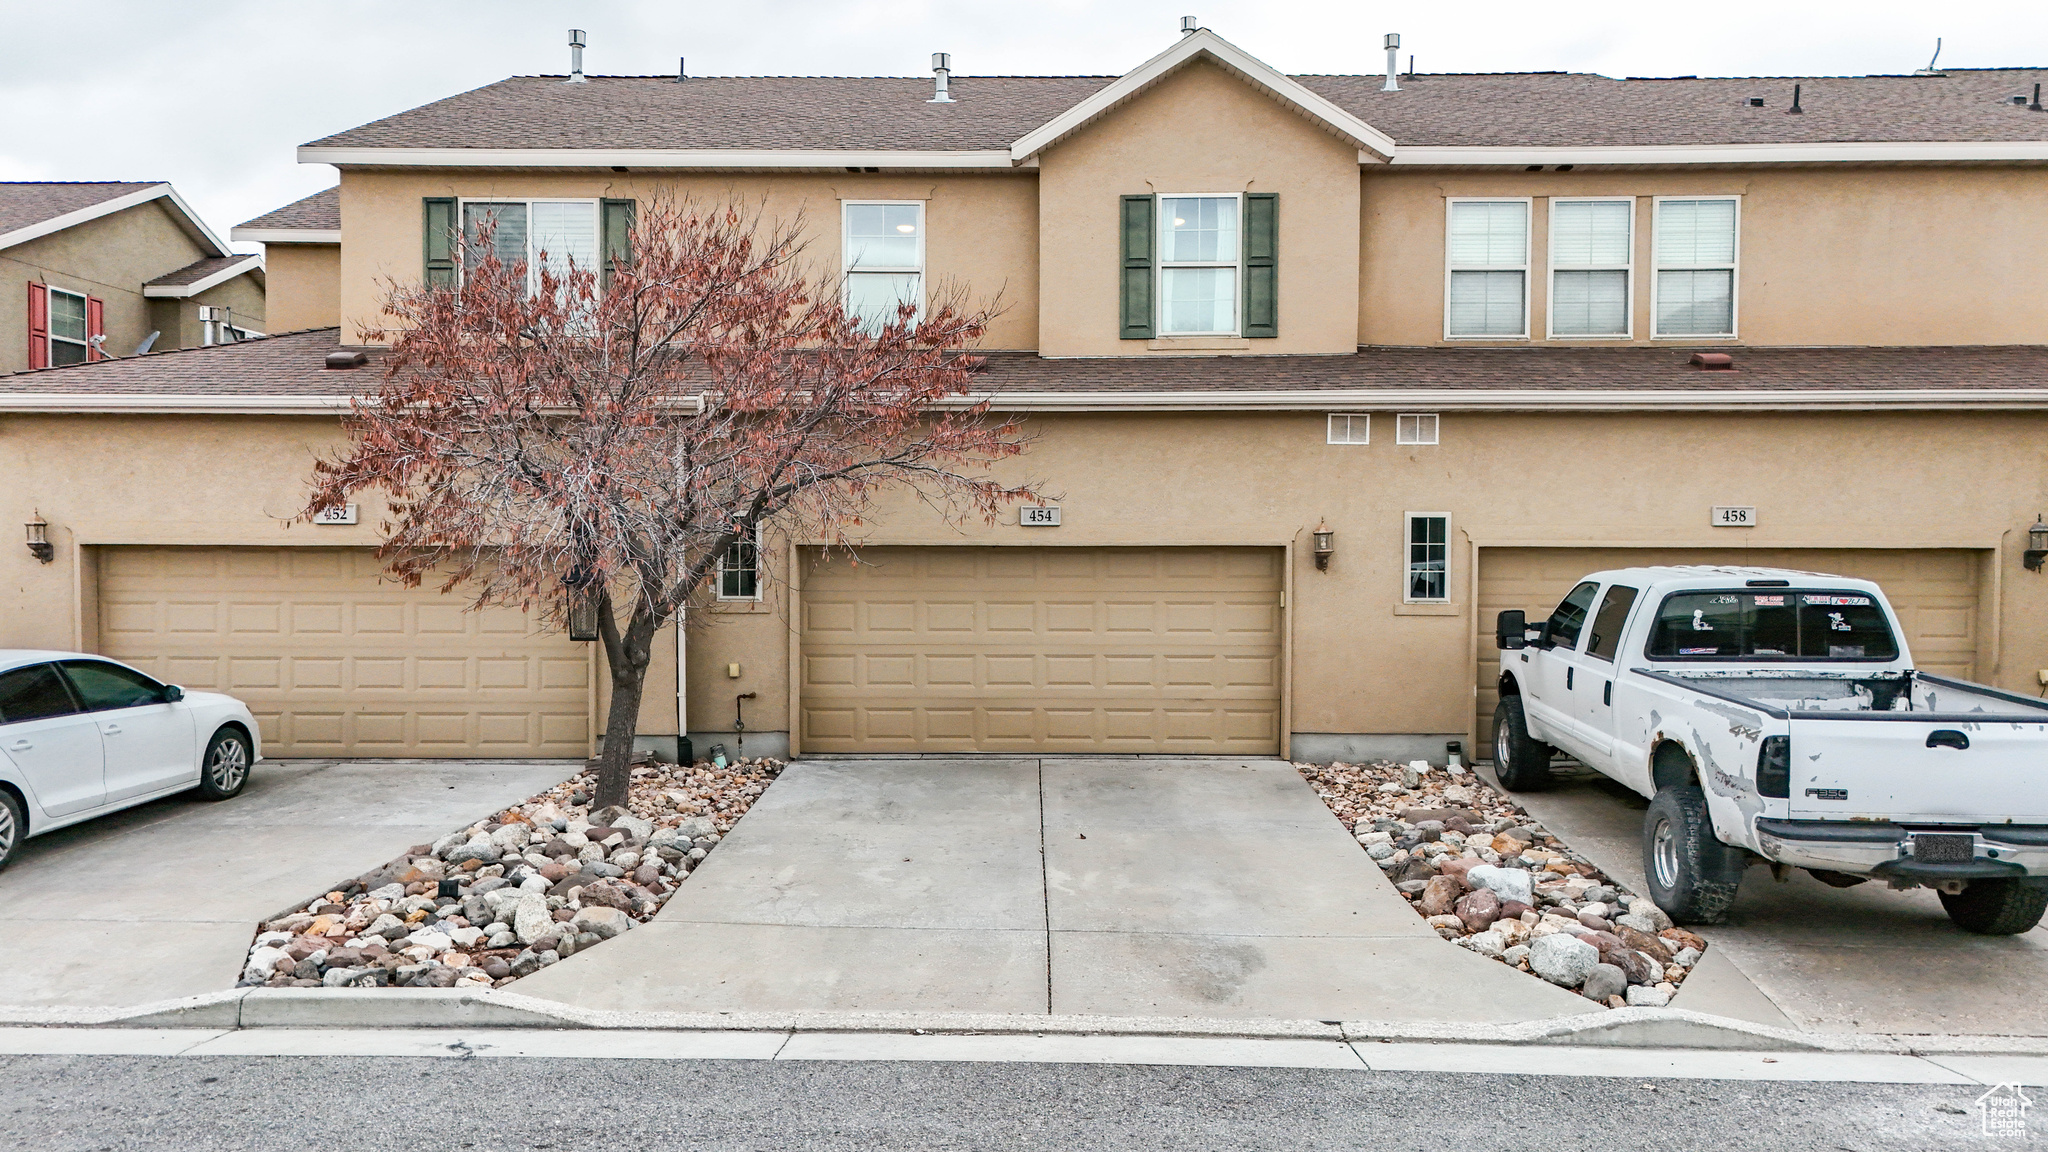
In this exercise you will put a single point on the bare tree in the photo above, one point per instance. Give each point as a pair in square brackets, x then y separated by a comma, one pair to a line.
[553, 443]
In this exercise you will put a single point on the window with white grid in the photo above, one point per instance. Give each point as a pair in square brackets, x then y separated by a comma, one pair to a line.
[1415, 428]
[1429, 558]
[1350, 428]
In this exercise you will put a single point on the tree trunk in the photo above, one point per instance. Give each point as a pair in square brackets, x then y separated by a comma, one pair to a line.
[627, 655]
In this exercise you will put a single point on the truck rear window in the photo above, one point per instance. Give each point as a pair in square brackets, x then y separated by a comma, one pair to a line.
[1782, 624]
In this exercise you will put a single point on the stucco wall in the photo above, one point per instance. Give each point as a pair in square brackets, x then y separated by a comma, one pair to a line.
[981, 231]
[1199, 130]
[1838, 255]
[109, 258]
[305, 286]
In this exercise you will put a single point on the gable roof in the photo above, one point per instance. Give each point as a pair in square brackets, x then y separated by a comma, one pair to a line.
[201, 275]
[288, 373]
[313, 220]
[1001, 121]
[30, 209]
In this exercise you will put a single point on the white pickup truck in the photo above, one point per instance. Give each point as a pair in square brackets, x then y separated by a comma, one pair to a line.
[1776, 716]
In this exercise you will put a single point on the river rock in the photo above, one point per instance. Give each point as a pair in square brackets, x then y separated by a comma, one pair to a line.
[605, 922]
[1603, 981]
[1644, 942]
[1642, 996]
[1478, 909]
[531, 919]
[1563, 959]
[1440, 896]
[1680, 938]
[1508, 883]
[1646, 917]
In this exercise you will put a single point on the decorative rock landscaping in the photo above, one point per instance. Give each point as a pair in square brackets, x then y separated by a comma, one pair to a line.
[1488, 878]
[514, 892]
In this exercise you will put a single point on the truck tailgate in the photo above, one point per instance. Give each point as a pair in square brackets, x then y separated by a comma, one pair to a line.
[1920, 770]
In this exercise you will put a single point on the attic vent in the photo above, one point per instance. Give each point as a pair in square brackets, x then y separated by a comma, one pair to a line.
[1756, 101]
[1713, 361]
[347, 359]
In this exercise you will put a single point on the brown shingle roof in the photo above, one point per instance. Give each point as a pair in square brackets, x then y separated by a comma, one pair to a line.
[194, 272]
[293, 365]
[319, 212]
[991, 112]
[23, 203]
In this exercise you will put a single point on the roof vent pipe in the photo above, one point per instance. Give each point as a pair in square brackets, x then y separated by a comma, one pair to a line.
[1189, 25]
[682, 69]
[2036, 105]
[576, 43]
[1795, 109]
[942, 68]
[1392, 43]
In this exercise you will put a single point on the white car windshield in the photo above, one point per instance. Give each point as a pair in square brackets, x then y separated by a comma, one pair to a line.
[1803, 624]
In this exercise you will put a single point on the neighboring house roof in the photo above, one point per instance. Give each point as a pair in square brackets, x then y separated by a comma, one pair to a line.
[288, 373]
[201, 275]
[314, 220]
[32, 209]
[1002, 120]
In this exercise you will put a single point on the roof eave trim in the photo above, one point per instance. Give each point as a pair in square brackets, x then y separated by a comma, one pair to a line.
[651, 158]
[286, 235]
[246, 264]
[193, 224]
[1199, 42]
[1819, 153]
[142, 405]
[1524, 399]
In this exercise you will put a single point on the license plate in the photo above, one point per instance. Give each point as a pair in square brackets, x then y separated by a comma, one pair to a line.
[1944, 849]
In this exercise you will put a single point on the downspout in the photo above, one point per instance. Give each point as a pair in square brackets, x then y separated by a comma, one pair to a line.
[685, 755]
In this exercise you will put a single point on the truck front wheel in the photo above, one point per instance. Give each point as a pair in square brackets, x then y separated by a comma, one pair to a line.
[1521, 763]
[1996, 907]
[1693, 876]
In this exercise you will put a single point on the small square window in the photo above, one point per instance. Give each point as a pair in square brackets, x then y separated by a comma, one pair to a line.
[1350, 428]
[1415, 428]
[739, 570]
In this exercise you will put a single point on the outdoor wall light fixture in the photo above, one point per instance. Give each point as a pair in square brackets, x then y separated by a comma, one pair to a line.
[1326, 545]
[582, 615]
[39, 539]
[2037, 545]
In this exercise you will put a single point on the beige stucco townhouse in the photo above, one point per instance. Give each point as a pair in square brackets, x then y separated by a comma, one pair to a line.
[1454, 324]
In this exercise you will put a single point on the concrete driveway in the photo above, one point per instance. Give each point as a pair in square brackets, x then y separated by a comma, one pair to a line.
[161, 901]
[1802, 954]
[1119, 887]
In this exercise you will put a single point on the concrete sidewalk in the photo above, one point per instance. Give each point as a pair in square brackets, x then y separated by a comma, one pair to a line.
[1801, 954]
[161, 901]
[1212, 888]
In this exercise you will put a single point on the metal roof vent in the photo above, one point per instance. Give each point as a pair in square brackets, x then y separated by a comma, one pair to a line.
[576, 42]
[1713, 361]
[1392, 43]
[348, 358]
[942, 69]
[1189, 25]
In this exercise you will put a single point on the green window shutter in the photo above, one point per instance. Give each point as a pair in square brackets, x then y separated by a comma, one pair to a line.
[1138, 213]
[1261, 265]
[438, 234]
[618, 230]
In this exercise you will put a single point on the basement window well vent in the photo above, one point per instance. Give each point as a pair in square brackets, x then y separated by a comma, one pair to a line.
[1350, 428]
[1415, 428]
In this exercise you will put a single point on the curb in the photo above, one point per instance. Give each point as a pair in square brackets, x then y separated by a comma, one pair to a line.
[360, 1008]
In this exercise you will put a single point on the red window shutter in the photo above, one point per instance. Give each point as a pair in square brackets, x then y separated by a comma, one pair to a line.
[38, 325]
[95, 327]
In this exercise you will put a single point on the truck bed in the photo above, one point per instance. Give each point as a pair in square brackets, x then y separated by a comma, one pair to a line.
[1910, 695]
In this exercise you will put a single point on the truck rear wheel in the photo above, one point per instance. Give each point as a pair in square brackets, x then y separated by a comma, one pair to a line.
[1521, 763]
[1996, 907]
[1693, 876]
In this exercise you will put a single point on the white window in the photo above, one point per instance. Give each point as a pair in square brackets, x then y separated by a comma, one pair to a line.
[1198, 265]
[739, 570]
[1487, 268]
[1696, 251]
[1591, 247]
[528, 230]
[1415, 428]
[1350, 428]
[1429, 557]
[884, 246]
[68, 328]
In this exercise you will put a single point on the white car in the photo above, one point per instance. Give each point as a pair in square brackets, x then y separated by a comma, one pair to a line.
[82, 736]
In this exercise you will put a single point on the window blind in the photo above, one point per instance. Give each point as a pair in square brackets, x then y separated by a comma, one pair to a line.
[1488, 249]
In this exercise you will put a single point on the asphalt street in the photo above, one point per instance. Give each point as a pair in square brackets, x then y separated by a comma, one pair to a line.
[61, 1103]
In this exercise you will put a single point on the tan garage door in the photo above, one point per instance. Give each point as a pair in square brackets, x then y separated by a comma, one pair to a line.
[335, 662]
[1934, 592]
[1043, 650]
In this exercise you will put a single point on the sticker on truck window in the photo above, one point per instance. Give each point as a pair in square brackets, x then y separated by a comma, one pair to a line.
[1845, 651]
[1770, 601]
[1698, 651]
[1844, 601]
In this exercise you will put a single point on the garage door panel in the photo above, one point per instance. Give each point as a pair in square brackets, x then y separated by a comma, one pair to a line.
[335, 661]
[1934, 592]
[1044, 649]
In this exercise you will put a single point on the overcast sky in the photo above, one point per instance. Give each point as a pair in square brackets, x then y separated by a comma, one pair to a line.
[215, 96]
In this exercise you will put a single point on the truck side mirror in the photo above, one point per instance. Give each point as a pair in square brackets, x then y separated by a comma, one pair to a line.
[1511, 630]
